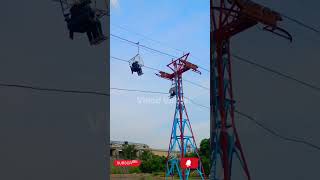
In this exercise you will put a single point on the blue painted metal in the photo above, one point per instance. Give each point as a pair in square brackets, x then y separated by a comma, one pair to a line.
[228, 18]
[182, 139]
[173, 163]
[225, 142]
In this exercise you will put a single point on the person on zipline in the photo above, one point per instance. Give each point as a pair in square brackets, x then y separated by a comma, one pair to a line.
[83, 20]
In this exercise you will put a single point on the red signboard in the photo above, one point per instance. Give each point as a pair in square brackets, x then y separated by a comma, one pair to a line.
[189, 163]
[127, 163]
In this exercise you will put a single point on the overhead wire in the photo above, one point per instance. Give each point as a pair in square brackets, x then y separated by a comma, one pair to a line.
[257, 65]
[154, 40]
[151, 49]
[37, 88]
[262, 126]
[196, 84]
[137, 90]
[123, 60]
[143, 46]
[263, 67]
[146, 37]
[53, 89]
[237, 57]
[281, 74]
[155, 69]
[267, 129]
[301, 23]
[277, 134]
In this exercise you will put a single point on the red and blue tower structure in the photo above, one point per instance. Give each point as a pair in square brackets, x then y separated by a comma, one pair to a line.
[182, 137]
[228, 18]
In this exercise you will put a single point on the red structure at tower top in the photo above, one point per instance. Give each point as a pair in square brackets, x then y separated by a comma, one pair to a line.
[179, 66]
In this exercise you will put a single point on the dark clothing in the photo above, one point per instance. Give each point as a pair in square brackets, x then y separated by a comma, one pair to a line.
[83, 20]
[81, 16]
[135, 67]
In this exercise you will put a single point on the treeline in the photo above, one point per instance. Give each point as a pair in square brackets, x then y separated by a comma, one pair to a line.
[151, 163]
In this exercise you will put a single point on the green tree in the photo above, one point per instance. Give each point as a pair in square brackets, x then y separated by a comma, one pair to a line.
[204, 153]
[129, 151]
[205, 147]
[152, 163]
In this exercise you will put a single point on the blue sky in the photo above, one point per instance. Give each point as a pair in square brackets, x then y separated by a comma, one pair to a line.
[176, 24]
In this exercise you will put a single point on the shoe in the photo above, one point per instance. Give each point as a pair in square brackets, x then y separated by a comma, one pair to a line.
[103, 38]
[98, 41]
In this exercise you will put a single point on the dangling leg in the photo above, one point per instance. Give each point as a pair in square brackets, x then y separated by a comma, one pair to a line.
[95, 33]
[99, 37]
[71, 34]
[70, 28]
[90, 37]
[99, 27]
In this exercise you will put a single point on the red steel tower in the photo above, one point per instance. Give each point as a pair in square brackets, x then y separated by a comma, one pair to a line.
[182, 137]
[228, 18]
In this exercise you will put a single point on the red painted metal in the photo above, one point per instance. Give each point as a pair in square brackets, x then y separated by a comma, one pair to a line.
[180, 66]
[228, 18]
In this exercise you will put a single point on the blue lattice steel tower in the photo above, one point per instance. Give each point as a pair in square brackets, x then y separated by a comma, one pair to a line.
[182, 139]
[228, 18]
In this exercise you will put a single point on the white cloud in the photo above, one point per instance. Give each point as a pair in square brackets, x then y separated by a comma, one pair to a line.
[114, 3]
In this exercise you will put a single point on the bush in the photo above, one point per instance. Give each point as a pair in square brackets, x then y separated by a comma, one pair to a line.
[116, 170]
[134, 170]
[152, 163]
[205, 155]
